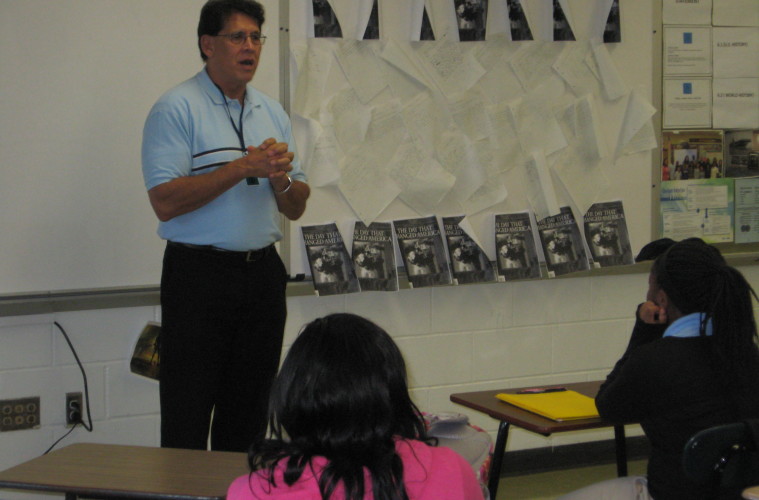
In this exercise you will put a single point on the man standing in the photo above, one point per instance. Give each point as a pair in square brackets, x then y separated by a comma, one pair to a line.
[219, 165]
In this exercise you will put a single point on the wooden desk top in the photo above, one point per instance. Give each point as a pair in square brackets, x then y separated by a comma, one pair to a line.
[106, 470]
[486, 402]
[751, 493]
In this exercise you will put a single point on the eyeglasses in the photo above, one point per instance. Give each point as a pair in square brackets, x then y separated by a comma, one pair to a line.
[239, 38]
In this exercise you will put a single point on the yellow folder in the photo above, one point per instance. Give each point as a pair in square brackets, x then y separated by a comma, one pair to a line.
[559, 406]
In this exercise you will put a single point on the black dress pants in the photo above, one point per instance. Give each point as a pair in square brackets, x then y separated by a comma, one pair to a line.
[222, 323]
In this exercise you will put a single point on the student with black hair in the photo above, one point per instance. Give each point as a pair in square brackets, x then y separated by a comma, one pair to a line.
[703, 371]
[343, 427]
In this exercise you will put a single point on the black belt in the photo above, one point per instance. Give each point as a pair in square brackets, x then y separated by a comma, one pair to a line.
[246, 255]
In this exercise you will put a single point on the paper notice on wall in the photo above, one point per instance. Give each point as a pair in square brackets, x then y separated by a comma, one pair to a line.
[735, 103]
[687, 103]
[697, 208]
[735, 52]
[735, 13]
[687, 50]
[691, 12]
[747, 210]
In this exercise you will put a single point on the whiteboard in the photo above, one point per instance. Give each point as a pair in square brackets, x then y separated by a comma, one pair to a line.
[78, 80]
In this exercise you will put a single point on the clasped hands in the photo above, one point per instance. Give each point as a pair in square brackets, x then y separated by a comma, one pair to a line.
[270, 160]
[650, 313]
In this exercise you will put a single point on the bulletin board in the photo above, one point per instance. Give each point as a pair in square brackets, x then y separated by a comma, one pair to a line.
[511, 125]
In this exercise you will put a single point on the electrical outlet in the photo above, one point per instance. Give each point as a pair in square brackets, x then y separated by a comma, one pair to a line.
[18, 414]
[73, 408]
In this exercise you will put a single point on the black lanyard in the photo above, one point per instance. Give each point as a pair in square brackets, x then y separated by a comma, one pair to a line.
[250, 180]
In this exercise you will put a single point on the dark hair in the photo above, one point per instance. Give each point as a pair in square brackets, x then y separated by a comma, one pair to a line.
[342, 394]
[696, 278]
[215, 13]
[652, 250]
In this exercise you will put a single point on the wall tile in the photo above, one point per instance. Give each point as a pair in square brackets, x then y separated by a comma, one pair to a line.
[100, 335]
[516, 352]
[477, 307]
[20, 446]
[588, 346]
[25, 346]
[454, 339]
[32, 319]
[437, 359]
[402, 314]
[614, 297]
[545, 302]
[51, 385]
[129, 394]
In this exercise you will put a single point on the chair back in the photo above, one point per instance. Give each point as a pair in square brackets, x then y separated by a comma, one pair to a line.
[723, 457]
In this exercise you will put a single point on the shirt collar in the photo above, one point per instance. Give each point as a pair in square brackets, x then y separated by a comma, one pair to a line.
[688, 326]
[251, 99]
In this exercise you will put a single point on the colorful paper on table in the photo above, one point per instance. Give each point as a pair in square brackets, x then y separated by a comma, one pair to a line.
[559, 406]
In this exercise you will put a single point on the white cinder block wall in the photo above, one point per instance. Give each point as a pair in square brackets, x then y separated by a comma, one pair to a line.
[454, 339]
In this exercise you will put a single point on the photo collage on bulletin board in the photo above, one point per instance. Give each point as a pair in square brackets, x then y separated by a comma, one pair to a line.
[710, 138]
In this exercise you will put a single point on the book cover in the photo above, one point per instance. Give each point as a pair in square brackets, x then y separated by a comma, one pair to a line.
[145, 358]
[329, 261]
[607, 236]
[469, 264]
[374, 256]
[559, 406]
[517, 253]
[421, 245]
[562, 244]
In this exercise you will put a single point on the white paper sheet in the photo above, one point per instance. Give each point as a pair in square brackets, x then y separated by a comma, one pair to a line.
[324, 163]
[366, 186]
[687, 103]
[692, 12]
[570, 65]
[747, 210]
[362, 68]
[687, 50]
[735, 13]
[500, 82]
[638, 113]
[540, 191]
[457, 155]
[736, 52]
[533, 62]
[468, 112]
[536, 125]
[451, 69]
[508, 153]
[350, 118]
[423, 181]
[539, 15]
[735, 103]
[312, 78]
[612, 83]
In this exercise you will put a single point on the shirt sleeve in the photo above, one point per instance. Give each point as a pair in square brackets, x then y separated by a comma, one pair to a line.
[166, 148]
[622, 397]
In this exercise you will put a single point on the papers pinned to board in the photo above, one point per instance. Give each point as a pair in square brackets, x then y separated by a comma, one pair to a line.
[559, 406]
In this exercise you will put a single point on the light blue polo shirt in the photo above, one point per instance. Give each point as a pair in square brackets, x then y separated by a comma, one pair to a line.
[188, 132]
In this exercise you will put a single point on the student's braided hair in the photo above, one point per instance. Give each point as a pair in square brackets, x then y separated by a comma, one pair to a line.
[696, 278]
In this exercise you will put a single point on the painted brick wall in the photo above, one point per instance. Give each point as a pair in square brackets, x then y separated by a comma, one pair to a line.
[454, 339]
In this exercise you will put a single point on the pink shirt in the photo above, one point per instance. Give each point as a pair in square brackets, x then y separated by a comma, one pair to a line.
[429, 473]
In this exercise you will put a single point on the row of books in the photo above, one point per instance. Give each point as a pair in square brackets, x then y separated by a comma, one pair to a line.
[443, 251]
